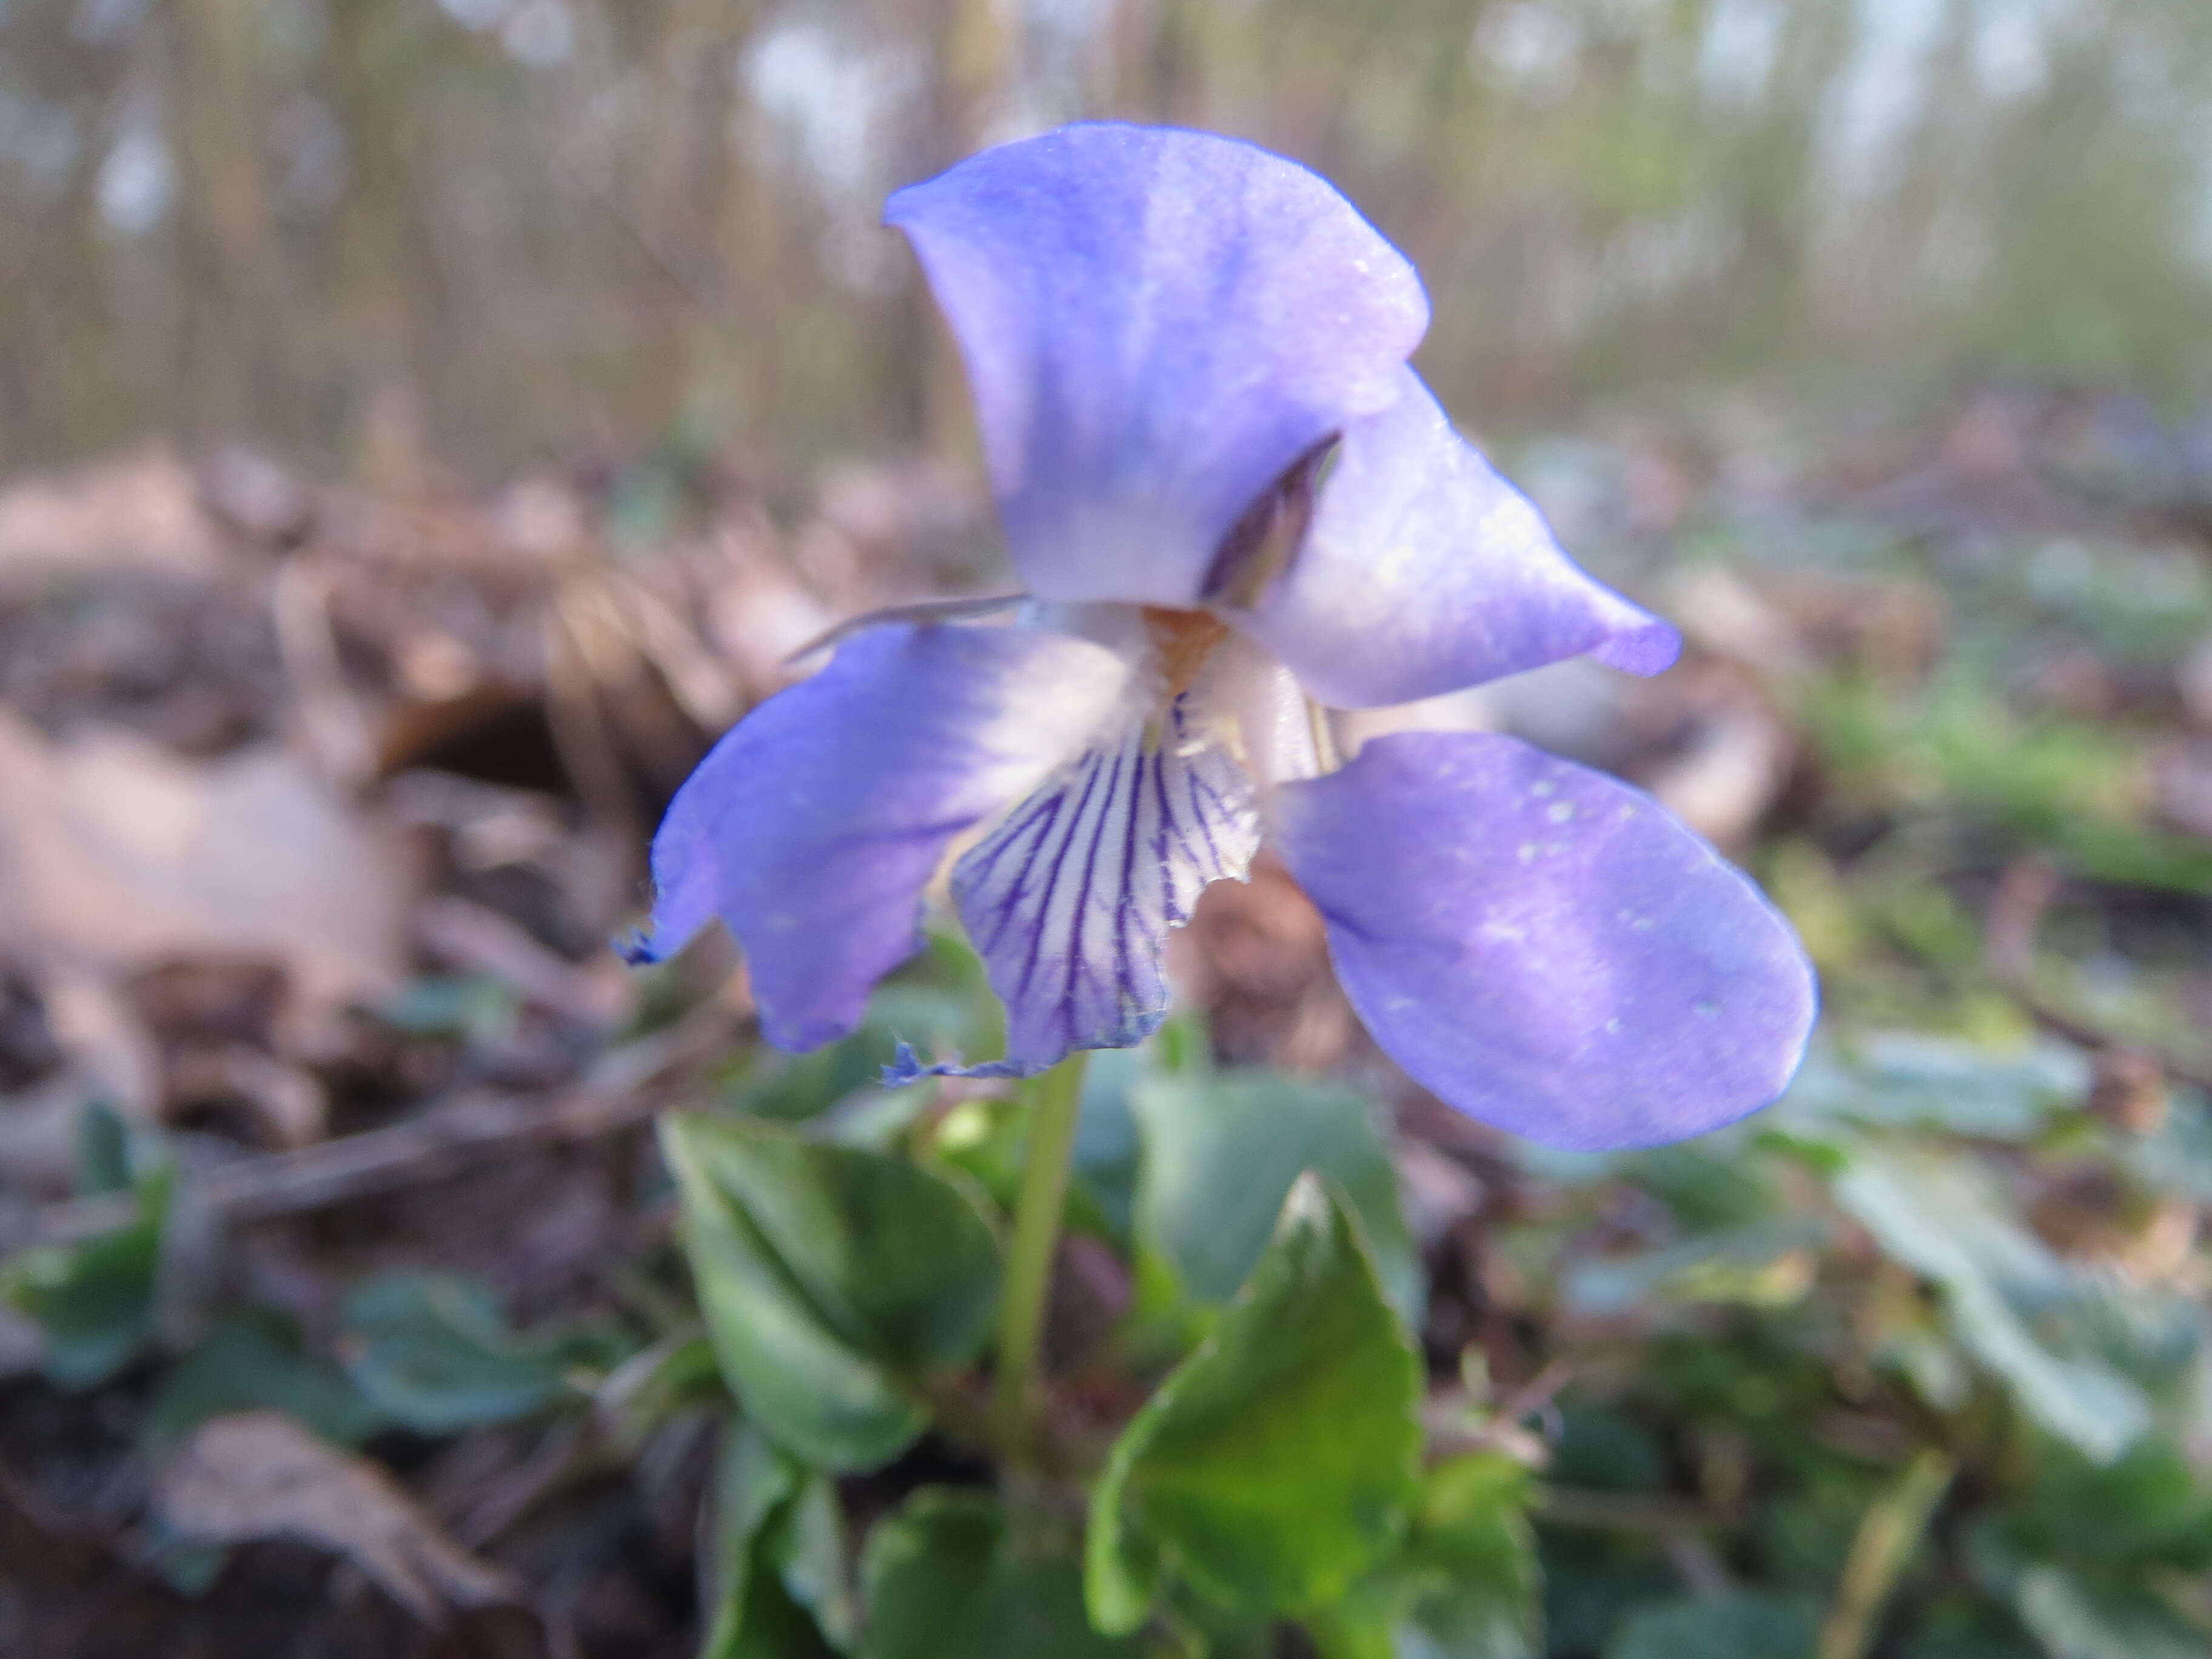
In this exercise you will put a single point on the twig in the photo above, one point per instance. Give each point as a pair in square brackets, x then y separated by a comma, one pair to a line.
[519, 1490]
[1537, 1392]
[1455, 1425]
[432, 1146]
[476, 937]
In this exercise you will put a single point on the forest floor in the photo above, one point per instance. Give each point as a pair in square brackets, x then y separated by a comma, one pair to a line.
[322, 1094]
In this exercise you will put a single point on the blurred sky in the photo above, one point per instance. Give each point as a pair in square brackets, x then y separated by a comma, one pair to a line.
[499, 232]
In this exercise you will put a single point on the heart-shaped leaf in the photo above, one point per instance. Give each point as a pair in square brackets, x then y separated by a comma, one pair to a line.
[830, 1276]
[1277, 1463]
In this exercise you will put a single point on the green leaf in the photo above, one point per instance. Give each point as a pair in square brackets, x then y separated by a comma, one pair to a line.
[2177, 1157]
[2075, 1619]
[1465, 1584]
[1277, 1463]
[1766, 1264]
[103, 1150]
[946, 1578]
[987, 1139]
[1907, 1080]
[1960, 1626]
[2148, 1508]
[95, 1301]
[811, 1561]
[830, 1275]
[764, 1573]
[940, 1002]
[1108, 1152]
[1744, 1625]
[793, 1088]
[434, 1351]
[1593, 1580]
[1939, 1216]
[478, 1008]
[1221, 1149]
[1471, 1565]
[252, 1360]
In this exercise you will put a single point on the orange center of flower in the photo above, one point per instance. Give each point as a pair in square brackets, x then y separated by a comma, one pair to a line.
[1181, 642]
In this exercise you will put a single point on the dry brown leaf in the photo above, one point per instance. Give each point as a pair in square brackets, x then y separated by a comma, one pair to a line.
[1730, 773]
[116, 854]
[141, 511]
[259, 1476]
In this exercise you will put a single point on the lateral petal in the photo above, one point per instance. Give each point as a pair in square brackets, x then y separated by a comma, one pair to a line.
[814, 826]
[1423, 572]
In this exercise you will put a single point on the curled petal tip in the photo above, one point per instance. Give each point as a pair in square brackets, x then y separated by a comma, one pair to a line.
[1423, 572]
[1645, 645]
[637, 948]
[906, 1067]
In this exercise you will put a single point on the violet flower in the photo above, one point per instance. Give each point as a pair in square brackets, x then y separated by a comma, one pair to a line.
[1235, 508]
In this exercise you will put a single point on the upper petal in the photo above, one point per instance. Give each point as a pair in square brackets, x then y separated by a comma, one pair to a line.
[1156, 325]
[1542, 945]
[814, 826]
[1424, 571]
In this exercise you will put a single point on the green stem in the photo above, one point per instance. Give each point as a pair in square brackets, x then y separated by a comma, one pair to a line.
[1892, 1529]
[1054, 1100]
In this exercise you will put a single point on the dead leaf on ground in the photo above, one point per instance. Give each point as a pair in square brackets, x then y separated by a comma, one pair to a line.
[257, 1475]
[139, 511]
[116, 854]
[1731, 771]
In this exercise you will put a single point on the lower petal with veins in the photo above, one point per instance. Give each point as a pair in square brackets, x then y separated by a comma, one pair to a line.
[1070, 899]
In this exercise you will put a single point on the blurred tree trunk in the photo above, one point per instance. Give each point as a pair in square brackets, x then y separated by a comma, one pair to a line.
[977, 51]
[232, 346]
[384, 263]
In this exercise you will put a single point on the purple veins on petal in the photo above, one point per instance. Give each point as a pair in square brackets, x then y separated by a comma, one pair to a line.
[1070, 899]
[814, 828]
[1424, 572]
[1156, 324]
[1543, 946]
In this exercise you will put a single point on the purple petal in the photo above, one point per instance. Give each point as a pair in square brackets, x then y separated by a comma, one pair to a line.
[814, 826]
[1543, 946]
[1424, 572]
[1071, 899]
[1156, 324]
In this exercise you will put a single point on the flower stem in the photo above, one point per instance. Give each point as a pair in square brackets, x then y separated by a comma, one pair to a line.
[1054, 1100]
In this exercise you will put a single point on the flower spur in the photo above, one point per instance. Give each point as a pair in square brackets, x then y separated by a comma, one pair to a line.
[1234, 508]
